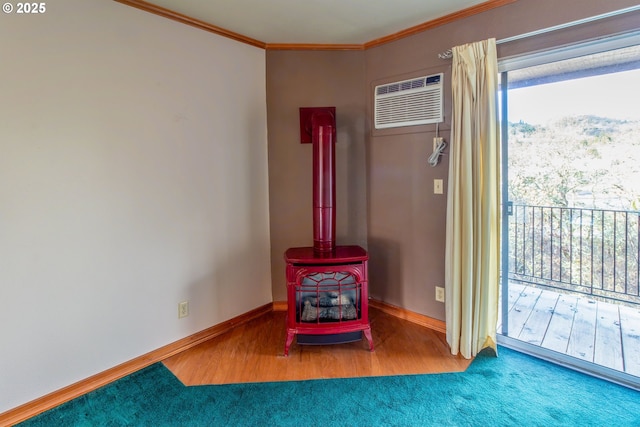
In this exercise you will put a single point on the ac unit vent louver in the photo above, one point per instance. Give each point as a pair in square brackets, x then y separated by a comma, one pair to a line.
[409, 102]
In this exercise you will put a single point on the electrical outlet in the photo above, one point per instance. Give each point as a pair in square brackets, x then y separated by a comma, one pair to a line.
[183, 309]
[437, 186]
[439, 294]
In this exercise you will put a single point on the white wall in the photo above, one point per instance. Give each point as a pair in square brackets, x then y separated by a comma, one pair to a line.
[133, 176]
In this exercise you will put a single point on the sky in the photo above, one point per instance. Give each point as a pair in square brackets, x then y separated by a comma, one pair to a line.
[615, 96]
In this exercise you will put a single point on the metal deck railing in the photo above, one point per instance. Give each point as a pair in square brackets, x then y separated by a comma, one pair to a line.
[588, 251]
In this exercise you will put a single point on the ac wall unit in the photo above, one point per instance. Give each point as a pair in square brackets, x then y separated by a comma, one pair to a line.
[409, 102]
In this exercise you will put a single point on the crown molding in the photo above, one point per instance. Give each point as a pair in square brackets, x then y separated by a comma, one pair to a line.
[184, 19]
[461, 14]
[313, 46]
[170, 14]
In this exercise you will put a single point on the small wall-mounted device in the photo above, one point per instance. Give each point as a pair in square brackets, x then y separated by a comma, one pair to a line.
[438, 147]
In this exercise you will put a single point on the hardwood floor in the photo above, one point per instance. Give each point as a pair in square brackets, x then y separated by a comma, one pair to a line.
[253, 352]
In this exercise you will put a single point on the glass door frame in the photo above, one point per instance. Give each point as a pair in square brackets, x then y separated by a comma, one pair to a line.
[503, 338]
[506, 204]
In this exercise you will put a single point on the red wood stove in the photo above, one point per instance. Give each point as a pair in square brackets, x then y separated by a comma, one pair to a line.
[327, 285]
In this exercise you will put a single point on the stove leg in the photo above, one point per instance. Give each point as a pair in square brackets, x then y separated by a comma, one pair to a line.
[367, 334]
[287, 344]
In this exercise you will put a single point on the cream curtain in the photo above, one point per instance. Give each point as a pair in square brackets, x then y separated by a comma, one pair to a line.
[473, 202]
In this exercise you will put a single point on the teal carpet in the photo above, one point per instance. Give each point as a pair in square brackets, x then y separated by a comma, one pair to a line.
[511, 390]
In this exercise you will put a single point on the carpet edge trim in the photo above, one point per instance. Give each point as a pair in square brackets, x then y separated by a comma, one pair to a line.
[58, 397]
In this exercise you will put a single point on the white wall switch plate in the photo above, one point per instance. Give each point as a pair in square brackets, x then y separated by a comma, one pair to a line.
[438, 186]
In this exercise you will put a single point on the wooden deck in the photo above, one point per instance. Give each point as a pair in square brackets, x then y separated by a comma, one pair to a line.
[603, 333]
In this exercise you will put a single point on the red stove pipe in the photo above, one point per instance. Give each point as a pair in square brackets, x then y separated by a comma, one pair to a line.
[323, 129]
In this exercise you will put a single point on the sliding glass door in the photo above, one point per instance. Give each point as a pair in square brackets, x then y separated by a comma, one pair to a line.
[571, 206]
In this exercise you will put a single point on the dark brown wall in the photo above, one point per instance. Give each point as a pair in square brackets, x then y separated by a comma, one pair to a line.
[406, 222]
[313, 79]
